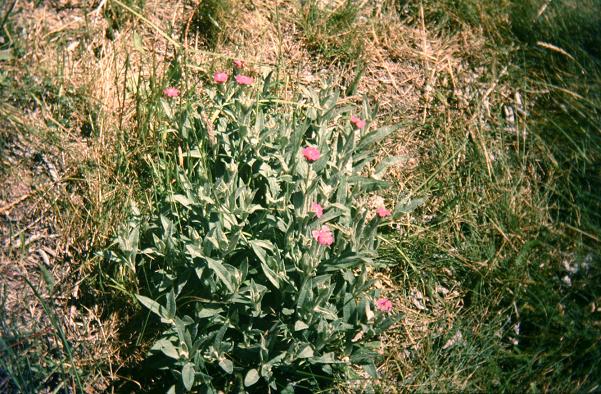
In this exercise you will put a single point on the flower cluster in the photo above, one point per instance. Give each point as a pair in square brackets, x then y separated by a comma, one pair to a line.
[221, 77]
[323, 236]
[171, 91]
[357, 122]
[383, 212]
[244, 80]
[384, 305]
[311, 154]
[317, 209]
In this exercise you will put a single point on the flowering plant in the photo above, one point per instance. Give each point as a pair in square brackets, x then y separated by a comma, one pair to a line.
[220, 77]
[171, 91]
[244, 80]
[256, 288]
[358, 122]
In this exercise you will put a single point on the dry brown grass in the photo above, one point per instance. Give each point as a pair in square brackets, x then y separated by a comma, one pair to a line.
[55, 218]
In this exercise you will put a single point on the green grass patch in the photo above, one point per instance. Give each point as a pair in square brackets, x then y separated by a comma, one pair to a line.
[118, 17]
[35, 353]
[512, 218]
[210, 21]
[333, 34]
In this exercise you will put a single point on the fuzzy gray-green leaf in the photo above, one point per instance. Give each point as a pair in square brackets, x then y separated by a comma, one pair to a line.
[227, 365]
[188, 376]
[252, 377]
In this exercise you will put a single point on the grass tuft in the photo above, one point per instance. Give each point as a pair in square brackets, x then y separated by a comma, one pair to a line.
[333, 34]
[511, 223]
[210, 20]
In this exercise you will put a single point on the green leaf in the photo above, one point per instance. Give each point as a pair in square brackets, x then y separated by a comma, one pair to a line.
[409, 206]
[227, 365]
[130, 244]
[194, 251]
[47, 276]
[322, 162]
[362, 355]
[221, 272]
[304, 293]
[208, 312]
[167, 226]
[155, 307]
[183, 334]
[326, 358]
[368, 184]
[342, 193]
[270, 274]
[167, 108]
[326, 312]
[265, 244]
[199, 271]
[259, 251]
[188, 376]
[258, 248]
[251, 378]
[307, 352]
[219, 337]
[167, 348]
[375, 136]
[267, 83]
[371, 370]
[179, 198]
[171, 304]
[387, 162]
[302, 168]
[298, 199]
[331, 214]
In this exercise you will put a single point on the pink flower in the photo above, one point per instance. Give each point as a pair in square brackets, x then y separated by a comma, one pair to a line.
[324, 236]
[171, 91]
[384, 304]
[358, 122]
[238, 63]
[315, 207]
[311, 153]
[244, 80]
[220, 77]
[383, 212]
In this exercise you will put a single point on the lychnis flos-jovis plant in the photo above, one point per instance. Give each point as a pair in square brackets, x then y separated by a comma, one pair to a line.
[256, 258]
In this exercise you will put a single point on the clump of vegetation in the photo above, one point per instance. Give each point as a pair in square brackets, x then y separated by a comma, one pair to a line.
[209, 21]
[118, 13]
[39, 357]
[257, 253]
[333, 34]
